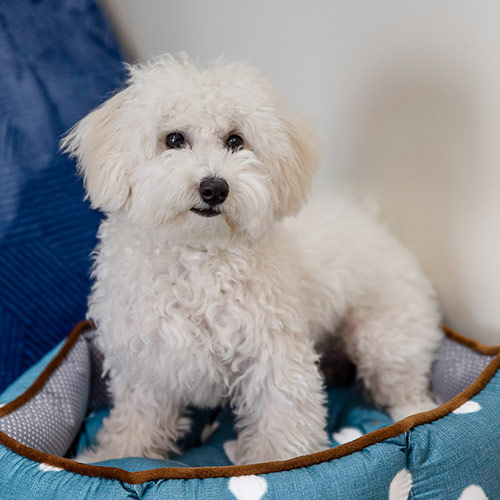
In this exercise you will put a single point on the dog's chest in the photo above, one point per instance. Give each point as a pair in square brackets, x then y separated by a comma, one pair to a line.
[193, 322]
[199, 325]
[203, 298]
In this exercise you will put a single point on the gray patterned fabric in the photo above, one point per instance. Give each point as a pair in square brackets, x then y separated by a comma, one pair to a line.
[50, 420]
[456, 368]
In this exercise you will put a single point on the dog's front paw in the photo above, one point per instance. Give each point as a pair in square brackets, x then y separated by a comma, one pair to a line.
[400, 412]
[94, 454]
[99, 453]
[259, 454]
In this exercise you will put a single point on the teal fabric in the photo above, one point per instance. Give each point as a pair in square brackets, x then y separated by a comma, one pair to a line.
[459, 450]
[443, 459]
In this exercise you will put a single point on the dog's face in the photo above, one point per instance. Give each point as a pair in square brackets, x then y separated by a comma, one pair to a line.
[207, 155]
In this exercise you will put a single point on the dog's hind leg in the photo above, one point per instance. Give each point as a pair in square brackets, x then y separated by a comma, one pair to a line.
[392, 338]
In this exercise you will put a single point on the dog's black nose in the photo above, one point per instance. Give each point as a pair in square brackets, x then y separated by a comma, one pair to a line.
[214, 191]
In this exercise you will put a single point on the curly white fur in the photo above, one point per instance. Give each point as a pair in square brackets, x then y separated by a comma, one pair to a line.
[197, 310]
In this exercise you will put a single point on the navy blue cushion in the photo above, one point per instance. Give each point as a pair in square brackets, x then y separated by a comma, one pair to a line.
[58, 60]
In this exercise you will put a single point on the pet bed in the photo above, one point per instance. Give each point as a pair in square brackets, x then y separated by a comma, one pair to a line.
[453, 452]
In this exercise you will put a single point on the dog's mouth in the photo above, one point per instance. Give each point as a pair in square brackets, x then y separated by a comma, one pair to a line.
[206, 212]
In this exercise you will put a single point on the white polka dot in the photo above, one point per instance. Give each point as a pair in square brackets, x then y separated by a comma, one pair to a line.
[468, 407]
[230, 448]
[208, 430]
[49, 468]
[473, 492]
[2, 405]
[347, 434]
[401, 485]
[248, 487]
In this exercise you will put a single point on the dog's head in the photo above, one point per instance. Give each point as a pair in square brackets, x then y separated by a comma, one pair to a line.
[206, 154]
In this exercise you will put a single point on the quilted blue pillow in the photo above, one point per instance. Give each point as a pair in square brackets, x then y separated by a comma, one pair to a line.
[59, 60]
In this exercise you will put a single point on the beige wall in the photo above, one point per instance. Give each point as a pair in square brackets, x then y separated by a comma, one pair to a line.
[406, 97]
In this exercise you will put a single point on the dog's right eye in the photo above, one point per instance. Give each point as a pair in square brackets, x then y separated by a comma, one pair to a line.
[175, 140]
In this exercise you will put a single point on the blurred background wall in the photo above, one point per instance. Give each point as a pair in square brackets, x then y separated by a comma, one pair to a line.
[406, 98]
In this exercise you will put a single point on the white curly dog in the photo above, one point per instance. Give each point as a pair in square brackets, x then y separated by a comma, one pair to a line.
[215, 280]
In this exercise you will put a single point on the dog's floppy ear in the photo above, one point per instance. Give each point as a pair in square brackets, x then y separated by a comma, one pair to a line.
[297, 162]
[99, 143]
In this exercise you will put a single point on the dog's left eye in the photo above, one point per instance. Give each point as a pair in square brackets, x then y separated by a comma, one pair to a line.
[175, 140]
[234, 142]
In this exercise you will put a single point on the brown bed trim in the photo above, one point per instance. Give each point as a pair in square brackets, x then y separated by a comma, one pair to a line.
[241, 470]
[471, 343]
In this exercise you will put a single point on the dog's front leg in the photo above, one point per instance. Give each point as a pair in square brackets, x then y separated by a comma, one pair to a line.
[140, 424]
[280, 405]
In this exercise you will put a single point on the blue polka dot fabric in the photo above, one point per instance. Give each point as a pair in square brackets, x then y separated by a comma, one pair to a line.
[453, 454]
